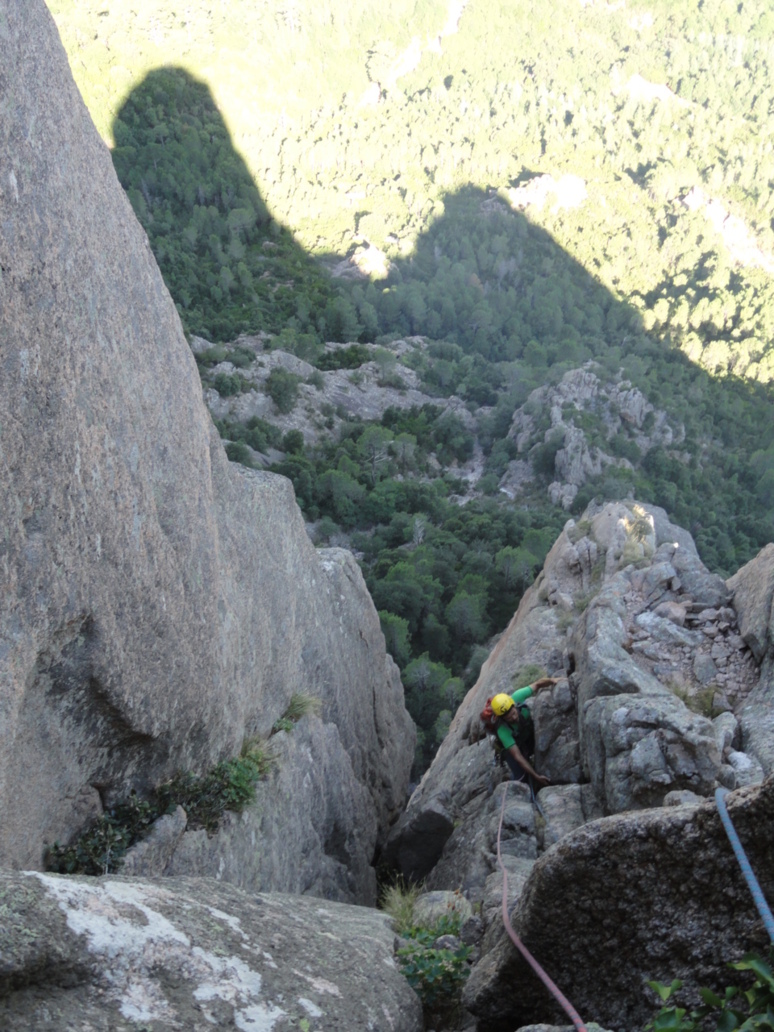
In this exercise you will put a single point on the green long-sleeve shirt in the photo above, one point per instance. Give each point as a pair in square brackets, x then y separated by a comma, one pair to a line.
[505, 732]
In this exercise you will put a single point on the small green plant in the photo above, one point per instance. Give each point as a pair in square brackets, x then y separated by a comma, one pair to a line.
[299, 706]
[238, 451]
[230, 785]
[282, 388]
[748, 1010]
[281, 724]
[228, 384]
[436, 975]
[581, 602]
[581, 529]
[700, 702]
[564, 620]
[211, 356]
[293, 442]
[102, 847]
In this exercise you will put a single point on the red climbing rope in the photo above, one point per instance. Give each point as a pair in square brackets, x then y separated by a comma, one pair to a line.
[565, 1004]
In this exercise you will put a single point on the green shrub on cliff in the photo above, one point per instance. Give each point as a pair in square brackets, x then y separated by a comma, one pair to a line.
[101, 848]
[434, 971]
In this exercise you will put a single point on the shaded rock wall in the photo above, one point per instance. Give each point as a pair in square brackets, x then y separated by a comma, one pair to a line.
[158, 603]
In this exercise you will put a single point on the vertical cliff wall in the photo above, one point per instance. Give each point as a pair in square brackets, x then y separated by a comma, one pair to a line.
[158, 604]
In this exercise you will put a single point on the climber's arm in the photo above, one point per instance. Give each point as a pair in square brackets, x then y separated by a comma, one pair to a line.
[524, 763]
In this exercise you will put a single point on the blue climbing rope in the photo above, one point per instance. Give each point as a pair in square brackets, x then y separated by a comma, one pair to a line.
[744, 863]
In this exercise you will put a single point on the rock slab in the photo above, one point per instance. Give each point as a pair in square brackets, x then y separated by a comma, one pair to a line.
[117, 954]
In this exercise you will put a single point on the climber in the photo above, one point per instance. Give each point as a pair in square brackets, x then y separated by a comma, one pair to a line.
[516, 732]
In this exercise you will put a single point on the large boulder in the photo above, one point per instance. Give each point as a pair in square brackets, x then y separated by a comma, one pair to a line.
[753, 600]
[160, 605]
[653, 895]
[637, 749]
[116, 955]
[752, 588]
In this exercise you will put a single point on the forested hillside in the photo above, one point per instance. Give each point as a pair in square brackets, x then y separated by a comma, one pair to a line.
[529, 187]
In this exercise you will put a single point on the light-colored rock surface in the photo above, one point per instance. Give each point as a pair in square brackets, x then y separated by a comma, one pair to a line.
[151, 856]
[116, 955]
[753, 599]
[615, 407]
[557, 745]
[753, 593]
[562, 807]
[637, 749]
[431, 907]
[311, 830]
[342, 393]
[159, 604]
[650, 895]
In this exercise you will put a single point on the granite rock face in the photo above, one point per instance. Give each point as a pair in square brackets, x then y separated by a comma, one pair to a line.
[581, 395]
[622, 873]
[611, 617]
[159, 604]
[753, 599]
[118, 954]
[653, 895]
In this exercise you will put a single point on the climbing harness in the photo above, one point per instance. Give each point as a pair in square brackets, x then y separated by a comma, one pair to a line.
[561, 999]
[744, 863]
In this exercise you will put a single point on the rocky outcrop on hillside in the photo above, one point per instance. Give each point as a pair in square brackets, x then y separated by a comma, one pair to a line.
[584, 426]
[664, 677]
[159, 604]
[116, 955]
[332, 395]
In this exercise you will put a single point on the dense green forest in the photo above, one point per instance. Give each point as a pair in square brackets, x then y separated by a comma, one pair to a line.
[541, 184]
[356, 124]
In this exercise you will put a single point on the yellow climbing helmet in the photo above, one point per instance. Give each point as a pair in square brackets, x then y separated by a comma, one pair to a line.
[501, 704]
